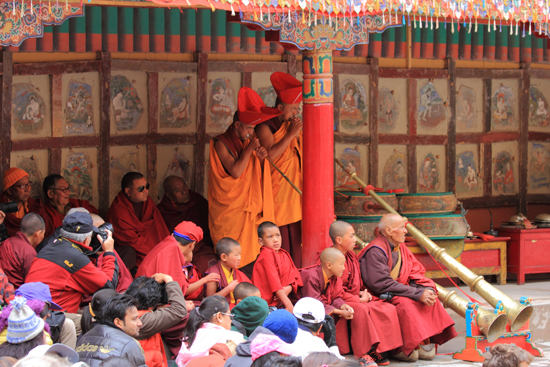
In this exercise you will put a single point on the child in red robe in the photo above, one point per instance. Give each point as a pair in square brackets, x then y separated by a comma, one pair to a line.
[226, 270]
[274, 273]
[383, 314]
[323, 282]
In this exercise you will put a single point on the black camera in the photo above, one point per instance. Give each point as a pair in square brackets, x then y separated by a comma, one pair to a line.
[10, 207]
[387, 296]
[95, 244]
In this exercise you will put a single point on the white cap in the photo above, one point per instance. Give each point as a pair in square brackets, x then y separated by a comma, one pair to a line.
[56, 349]
[310, 310]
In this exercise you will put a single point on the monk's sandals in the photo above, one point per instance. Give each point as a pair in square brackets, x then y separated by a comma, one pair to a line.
[426, 352]
[413, 357]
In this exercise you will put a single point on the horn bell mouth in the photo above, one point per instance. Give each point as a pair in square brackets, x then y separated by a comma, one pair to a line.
[521, 318]
[497, 327]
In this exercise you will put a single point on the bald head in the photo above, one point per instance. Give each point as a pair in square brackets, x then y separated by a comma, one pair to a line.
[392, 226]
[176, 190]
[32, 223]
[389, 220]
[338, 229]
[97, 220]
[78, 209]
[331, 255]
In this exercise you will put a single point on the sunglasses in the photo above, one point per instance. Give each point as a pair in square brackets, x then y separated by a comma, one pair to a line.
[141, 188]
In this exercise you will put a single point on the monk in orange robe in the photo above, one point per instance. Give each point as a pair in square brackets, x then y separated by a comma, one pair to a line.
[323, 282]
[388, 266]
[137, 223]
[17, 187]
[282, 138]
[274, 273]
[383, 315]
[57, 203]
[239, 184]
[179, 204]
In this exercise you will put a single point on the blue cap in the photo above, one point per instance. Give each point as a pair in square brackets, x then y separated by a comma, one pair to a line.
[38, 291]
[283, 324]
[79, 222]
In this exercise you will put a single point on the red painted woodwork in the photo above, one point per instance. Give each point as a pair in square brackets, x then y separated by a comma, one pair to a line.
[318, 173]
[528, 251]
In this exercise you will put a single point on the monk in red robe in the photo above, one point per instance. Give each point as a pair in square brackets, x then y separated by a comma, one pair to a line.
[383, 315]
[57, 203]
[179, 204]
[138, 225]
[17, 187]
[323, 282]
[274, 273]
[281, 136]
[239, 184]
[173, 256]
[387, 265]
[227, 269]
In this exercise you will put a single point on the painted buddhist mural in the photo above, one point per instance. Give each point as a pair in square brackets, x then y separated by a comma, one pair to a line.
[79, 109]
[353, 105]
[352, 160]
[428, 174]
[29, 109]
[30, 165]
[431, 109]
[77, 172]
[503, 109]
[268, 95]
[221, 105]
[504, 178]
[388, 112]
[466, 118]
[126, 103]
[179, 165]
[126, 161]
[394, 173]
[174, 104]
[467, 183]
[538, 177]
[538, 108]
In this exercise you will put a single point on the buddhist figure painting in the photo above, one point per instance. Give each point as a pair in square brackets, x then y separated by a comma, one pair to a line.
[538, 177]
[353, 105]
[175, 104]
[428, 174]
[388, 112]
[503, 108]
[468, 183]
[538, 108]
[505, 168]
[79, 109]
[431, 110]
[31, 166]
[126, 103]
[78, 173]
[29, 109]
[221, 105]
[466, 111]
[394, 172]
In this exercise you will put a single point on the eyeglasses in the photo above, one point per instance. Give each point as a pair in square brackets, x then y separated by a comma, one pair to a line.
[228, 314]
[142, 188]
[23, 187]
[62, 189]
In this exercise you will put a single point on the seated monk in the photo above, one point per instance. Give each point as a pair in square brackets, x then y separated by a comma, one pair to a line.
[383, 315]
[57, 203]
[387, 265]
[18, 252]
[323, 282]
[239, 188]
[137, 223]
[173, 256]
[179, 204]
[17, 187]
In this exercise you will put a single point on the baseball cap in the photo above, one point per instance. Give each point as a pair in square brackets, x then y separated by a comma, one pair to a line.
[79, 222]
[265, 343]
[310, 310]
[56, 349]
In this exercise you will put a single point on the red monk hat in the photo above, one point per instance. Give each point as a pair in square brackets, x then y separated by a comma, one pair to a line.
[189, 231]
[252, 109]
[287, 87]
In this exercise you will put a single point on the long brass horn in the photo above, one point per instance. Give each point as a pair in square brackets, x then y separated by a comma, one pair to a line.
[492, 325]
[517, 313]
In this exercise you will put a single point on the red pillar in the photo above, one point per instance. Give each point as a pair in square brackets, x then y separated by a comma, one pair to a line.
[318, 172]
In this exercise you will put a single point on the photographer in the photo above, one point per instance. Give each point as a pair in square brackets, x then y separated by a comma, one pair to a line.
[149, 293]
[68, 271]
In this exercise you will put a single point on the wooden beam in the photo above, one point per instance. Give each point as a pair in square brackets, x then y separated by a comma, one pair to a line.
[251, 67]
[451, 130]
[373, 121]
[490, 201]
[486, 149]
[414, 73]
[155, 66]
[56, 142]
[354, 69]
[409, 46]
[488, 74]
[6, 100]
[524, 99]
[246, 79]
[202, 87]
[54, 161]
[538, 136]
[291, 64]
[56, 68]
[103, 161]
[411, 148]
[154, 138]
[489, 137]
[153, 113]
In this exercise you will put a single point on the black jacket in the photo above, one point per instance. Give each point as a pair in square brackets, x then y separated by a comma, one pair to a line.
[104, 341]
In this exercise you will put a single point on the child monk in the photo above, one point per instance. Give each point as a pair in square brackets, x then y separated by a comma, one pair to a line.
[323, 282]
[244, 290]
[383, 314]
[229, 255]
[274, 273]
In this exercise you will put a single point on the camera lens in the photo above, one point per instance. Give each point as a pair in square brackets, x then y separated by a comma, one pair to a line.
[10, 207]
